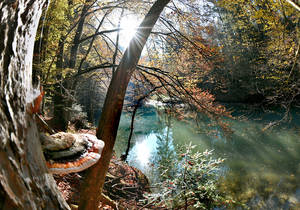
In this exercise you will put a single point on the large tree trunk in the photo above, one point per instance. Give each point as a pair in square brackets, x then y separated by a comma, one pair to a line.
[111, 112]
[24, 180]
[60, 121]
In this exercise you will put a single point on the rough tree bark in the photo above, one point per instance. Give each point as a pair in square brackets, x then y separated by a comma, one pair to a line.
[24, 180]
[59, 121]
[111, 112]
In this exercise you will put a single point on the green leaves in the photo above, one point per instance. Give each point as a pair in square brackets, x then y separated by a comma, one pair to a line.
[193, 185]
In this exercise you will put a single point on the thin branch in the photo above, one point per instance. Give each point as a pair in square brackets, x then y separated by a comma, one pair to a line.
[295, 61]
[200, 50]
[294, 4]
[92, 42]
[136, 106]
[99, 33]
[117, 41]
[101, 66]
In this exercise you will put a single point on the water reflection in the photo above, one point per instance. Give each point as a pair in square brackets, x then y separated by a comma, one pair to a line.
[262, 168]
[141, 153]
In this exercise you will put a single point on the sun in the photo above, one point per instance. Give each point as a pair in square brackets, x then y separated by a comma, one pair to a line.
[129, 26]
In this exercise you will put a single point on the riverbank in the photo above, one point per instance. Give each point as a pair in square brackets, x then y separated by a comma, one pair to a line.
[250, 175]
[124, 185]
[251, 172]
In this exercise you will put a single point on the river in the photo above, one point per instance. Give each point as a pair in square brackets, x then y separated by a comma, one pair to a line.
[261, 170]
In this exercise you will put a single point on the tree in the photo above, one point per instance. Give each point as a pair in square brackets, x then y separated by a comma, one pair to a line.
[110, 118]
[72, 45]
[294, 4]
[258, 42]
[24, 180]
[61, 97]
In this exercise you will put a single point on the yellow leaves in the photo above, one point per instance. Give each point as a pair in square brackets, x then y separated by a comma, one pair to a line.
[57, 10]
[269, 13]
[291, 50]
[259, 14]
[235, 58]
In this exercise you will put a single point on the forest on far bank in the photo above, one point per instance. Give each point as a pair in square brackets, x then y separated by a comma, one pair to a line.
[227, 51]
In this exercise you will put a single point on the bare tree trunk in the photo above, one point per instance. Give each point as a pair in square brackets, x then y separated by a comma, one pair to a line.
[61, 99]
[75, 44]
[59, 120]
[124, 157]
[110, 117]
[136, 106]
[24, 180]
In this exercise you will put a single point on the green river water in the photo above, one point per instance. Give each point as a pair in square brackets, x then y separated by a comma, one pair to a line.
[262, 168]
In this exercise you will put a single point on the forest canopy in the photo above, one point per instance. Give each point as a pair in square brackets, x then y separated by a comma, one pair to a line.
[229, 51]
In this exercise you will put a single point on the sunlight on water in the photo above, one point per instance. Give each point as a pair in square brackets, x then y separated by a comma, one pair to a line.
[142, 151]
[262, 168]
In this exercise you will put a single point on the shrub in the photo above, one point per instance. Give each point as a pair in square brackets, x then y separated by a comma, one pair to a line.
[78, 117]
[194, 185]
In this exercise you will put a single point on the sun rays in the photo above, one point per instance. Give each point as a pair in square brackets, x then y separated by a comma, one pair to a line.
[129, 26]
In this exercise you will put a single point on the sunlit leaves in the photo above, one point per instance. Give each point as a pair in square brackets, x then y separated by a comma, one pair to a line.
[261, 39]
[193, 185]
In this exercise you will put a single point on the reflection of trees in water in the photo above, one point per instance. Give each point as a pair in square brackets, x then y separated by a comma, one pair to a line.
[165, 153]
[146, 122]
[263, 164]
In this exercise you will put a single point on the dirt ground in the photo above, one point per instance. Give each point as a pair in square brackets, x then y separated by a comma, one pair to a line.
[125, 185]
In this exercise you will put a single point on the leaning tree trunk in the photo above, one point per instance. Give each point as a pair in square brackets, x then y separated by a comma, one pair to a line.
[24, 180]
[111, 112]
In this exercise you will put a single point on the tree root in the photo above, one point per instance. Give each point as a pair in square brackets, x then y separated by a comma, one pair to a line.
[105, 200]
